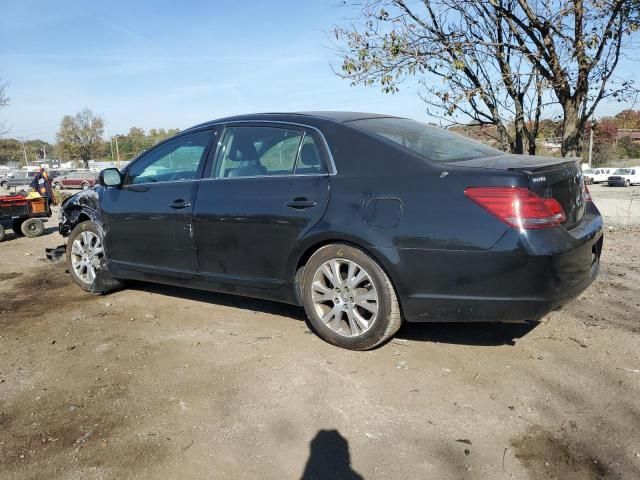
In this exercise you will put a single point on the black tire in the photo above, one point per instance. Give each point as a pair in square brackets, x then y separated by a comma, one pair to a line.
[84, 186]
[5, 185]
[103, 281]
[627, 183]
[57, 186]
[2, 234]
[32, 227]
[388, 319]
[17, 227]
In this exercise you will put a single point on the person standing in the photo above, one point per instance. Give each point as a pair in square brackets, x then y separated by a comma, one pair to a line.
[42, 185]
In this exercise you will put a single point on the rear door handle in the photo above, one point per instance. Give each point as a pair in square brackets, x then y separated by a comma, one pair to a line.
[178, 204]
[301, 204]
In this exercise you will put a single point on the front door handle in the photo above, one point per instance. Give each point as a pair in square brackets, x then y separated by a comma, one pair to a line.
[301, 203]
[178, 204]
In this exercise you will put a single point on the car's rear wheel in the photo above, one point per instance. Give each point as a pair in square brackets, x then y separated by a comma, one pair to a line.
[1, 233]
[86, 259]
[349, 299]
[627, 183]
[32, 227]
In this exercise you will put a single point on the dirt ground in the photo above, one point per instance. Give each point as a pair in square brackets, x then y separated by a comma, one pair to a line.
[160, 382]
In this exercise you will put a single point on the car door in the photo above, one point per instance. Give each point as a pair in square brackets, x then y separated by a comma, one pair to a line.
[147, 220]
[267, 186]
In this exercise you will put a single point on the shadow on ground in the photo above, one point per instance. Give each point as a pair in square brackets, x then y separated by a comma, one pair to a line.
[481, 334]
[329, 458]
[223, 299]
[11, 235]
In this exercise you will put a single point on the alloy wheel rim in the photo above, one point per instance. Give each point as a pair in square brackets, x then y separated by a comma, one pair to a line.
[345, 297]
[86, 253]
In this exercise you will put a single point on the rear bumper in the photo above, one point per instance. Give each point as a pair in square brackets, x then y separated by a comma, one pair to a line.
[523, 277]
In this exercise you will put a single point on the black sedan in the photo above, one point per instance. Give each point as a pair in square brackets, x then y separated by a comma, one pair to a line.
[365, 220]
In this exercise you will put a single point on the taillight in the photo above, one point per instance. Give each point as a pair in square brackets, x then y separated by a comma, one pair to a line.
[586, 194]
[518, 206]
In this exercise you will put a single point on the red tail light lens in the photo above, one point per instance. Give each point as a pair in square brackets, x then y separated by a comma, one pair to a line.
[586, 194]
[518, 207]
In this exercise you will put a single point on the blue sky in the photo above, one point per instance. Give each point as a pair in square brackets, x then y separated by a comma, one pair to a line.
[174, 64]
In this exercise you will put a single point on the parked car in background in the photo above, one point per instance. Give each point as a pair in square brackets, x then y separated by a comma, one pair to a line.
[83, 179]
[18, 179]
[53, 173]
[624, 177]
[597, 175]
[364, 220]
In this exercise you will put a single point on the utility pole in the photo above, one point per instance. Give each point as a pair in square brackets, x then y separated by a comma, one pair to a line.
[24, 150]
[117, 153]
[593, 125]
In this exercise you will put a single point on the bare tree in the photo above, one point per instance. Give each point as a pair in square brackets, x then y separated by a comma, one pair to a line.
[496, 62]
[80, 136]
[4, 101]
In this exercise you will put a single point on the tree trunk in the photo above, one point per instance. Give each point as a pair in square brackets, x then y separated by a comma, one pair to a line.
[518, 144]
[532, 144]
[571, 130]
[505, 142]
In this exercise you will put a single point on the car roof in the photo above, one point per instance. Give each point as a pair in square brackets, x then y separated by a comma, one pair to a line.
[296, 117]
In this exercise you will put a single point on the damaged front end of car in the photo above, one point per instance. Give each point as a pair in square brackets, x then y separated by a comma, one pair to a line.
[79, 208]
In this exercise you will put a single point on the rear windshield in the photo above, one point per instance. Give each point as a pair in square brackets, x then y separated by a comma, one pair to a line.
[433, 143]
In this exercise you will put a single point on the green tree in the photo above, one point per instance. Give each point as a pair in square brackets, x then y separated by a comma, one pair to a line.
[631, 149]
[80, 136]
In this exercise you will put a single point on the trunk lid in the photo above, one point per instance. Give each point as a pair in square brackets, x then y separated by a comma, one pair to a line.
[549, 177]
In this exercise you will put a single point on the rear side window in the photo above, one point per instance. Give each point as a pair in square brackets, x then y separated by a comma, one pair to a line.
[310, 157]
[255, 151]
[432, 143]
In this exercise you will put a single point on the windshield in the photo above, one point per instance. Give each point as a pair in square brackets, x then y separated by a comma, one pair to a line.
[433, 143]
[622, 171]
[588, 172]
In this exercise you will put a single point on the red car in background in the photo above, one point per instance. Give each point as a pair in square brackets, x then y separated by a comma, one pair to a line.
[81, 179]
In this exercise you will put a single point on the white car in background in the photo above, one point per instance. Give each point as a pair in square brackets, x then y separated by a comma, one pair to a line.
[597, 175]
[625, 177]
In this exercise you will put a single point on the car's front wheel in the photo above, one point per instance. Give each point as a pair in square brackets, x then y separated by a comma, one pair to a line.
[627, 183]
[349, 299]
[5, 185]
[86, 259]
[85, 186]
[57, 186]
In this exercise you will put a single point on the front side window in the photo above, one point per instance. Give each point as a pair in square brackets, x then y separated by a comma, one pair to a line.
[257, 151]
[432, 143]
[176, 159]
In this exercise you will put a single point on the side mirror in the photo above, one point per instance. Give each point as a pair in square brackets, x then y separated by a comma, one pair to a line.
[110, 177]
